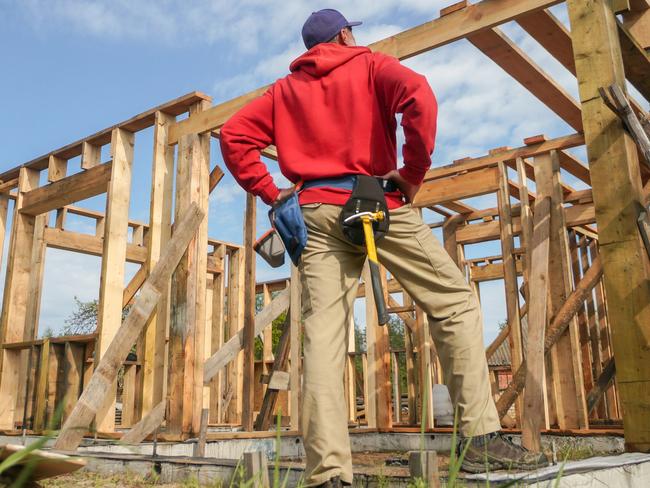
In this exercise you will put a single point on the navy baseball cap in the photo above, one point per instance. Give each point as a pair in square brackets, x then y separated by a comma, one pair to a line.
[323, 25]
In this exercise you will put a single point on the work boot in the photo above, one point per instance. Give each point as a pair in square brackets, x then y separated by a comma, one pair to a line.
[491, 452]
[333, 483]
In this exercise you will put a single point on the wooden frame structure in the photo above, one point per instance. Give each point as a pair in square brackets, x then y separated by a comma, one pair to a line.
[196, 350]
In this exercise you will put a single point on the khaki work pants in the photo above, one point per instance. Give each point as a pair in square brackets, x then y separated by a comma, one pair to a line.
[330, 270]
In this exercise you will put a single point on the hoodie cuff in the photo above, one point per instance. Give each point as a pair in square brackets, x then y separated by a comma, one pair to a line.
[412, 175]
[269, 193]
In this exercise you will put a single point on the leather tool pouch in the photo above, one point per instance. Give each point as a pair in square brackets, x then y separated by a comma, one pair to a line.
[367, 196]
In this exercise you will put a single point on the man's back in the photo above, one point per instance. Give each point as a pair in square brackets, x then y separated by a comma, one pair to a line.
[334, 116]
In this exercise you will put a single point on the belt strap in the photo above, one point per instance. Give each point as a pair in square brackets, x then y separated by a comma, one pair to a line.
[347, 183]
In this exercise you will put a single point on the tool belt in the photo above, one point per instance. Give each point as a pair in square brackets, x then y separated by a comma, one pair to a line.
[367, 196]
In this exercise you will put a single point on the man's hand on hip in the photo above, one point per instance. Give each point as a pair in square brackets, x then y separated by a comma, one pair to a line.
[408, 189]
[283, 195]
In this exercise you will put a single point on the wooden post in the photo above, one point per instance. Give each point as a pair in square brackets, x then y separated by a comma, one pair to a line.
[256, 470]
[4, 206]
[425, 344]
[41, 386]
[267, 341]
[526, 217]
[618, 199]
[378, 361]
[128, 395]
[449, 236]
[534, 417]
[109, 312]
[351, 372]
[510, 276]
[15, 300]
[73, 375]
[235, 318]
[248, 403]
[295, 349]
[188, 289]
[411, 369]
[568, 386]
[216, 338]
[424, 465]
[160, 214]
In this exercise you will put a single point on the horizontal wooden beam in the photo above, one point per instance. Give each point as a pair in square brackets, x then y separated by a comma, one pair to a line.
[67, 190]
[88, 244]
[141, 121]
[527, 151]
[576, 215]
[470, 184]
[490, 272]
[425, 37]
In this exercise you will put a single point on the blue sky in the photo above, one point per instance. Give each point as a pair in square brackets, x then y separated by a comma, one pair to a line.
[73, 67]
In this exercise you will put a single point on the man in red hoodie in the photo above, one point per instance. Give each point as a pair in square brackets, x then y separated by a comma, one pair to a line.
[332, 118]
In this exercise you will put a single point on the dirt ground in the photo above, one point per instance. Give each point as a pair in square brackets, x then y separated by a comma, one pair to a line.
[369, 464]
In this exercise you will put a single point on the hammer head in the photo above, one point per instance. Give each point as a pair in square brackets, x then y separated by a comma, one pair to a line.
[373, 216]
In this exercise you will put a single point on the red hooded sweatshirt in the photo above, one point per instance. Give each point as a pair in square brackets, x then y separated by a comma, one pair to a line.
[334, 115]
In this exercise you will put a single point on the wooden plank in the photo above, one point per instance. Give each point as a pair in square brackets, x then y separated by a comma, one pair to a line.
[133, 286]
[558, 326]
[98, 390]
[636, 61]
[473, 183]
[230, 349]
[534, 417]
[567, 368]
[565, 142]
[526, 216]
[256, 472]
[637, 21]
[87, 244]
[618, 198]
[551, 33]
[248, 396]
[505, 53]
[68, 190]
[57, 169]
[188, 318]
[378, 359]
[141, 121]
[427, 36]
[235, 313]
[73, 375]
[424, 347]
[424, 465]
[267, 341]
[199, 447]
[159, 233]
[90, 155]
[4, 207]
[217, 336]
[602, 383]
[109, 310]
[267, 409]
[510, 275]
[146, 425]
[41, 386]
[295, 348]
[128, 396]
[15, 301]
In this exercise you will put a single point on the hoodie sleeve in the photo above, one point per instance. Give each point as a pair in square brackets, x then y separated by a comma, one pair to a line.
[404, 91]
[242, 139]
